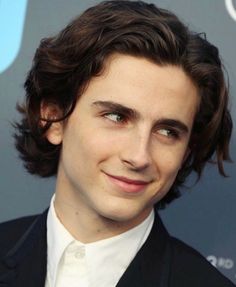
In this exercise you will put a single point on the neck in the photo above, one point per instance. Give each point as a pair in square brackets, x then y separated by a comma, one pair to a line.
[86, 226]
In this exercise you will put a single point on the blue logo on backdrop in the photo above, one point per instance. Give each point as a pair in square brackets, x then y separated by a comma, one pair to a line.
[12, 18]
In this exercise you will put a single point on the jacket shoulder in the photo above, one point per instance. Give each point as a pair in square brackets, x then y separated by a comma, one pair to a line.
[11, 231]
[190, 268]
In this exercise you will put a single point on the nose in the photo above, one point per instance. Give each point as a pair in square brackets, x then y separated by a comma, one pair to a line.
[136, 155]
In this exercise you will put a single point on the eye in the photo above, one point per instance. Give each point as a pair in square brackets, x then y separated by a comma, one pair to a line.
[115, 117]
[170, 133]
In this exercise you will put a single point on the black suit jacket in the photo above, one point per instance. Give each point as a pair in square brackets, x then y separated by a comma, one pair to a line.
[162, 261]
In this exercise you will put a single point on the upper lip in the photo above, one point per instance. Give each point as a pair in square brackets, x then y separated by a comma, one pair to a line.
[128, 180]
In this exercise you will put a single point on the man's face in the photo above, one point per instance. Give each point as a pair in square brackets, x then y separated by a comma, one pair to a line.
[126, 139]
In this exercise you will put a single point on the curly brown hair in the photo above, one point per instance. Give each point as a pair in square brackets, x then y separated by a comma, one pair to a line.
[63, 66]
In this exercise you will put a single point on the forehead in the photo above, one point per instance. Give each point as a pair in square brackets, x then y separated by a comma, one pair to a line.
[153, 90]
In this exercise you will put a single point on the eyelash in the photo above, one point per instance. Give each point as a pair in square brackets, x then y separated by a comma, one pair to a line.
[171, 133]
[123, 118]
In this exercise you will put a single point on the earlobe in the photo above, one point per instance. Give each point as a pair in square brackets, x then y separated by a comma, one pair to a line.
[55, 132]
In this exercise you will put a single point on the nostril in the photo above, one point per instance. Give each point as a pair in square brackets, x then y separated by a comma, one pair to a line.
[136, 165]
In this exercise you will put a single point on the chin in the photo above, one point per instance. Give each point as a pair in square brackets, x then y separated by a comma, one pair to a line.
[127, 214]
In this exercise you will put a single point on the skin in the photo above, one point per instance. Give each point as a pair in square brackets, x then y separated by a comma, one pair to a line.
[122, 146]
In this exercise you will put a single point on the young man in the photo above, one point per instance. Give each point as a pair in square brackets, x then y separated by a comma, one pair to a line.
[122, 106]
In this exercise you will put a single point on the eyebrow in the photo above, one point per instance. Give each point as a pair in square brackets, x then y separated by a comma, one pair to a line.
[117, 107]
[134, 114]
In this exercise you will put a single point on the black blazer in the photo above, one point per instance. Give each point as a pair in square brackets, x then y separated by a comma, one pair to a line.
[163, 261]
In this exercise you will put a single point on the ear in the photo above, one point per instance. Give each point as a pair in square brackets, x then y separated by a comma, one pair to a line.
[50, 111]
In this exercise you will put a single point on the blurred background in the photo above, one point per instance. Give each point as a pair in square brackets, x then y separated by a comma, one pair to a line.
[204, 216]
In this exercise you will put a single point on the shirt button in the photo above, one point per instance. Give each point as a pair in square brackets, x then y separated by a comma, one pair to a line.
[80, 253]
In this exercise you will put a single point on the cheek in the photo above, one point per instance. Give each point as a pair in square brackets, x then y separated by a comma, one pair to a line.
[100, 143]
[87, 145]
[167, 169]
[169, 161]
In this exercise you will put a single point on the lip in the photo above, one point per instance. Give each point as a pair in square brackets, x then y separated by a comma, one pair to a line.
[128, 185]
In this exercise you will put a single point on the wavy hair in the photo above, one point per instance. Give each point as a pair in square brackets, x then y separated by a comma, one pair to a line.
[64, 64]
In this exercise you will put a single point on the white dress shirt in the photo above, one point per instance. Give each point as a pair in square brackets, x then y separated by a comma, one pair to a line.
[98, 264]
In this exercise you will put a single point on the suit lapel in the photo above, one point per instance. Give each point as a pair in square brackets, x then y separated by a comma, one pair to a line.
[25, 264]
[151, 265]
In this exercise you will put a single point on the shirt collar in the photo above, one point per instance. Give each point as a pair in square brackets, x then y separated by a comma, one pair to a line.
[58, 238]
[120, 249]
[113, 255]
